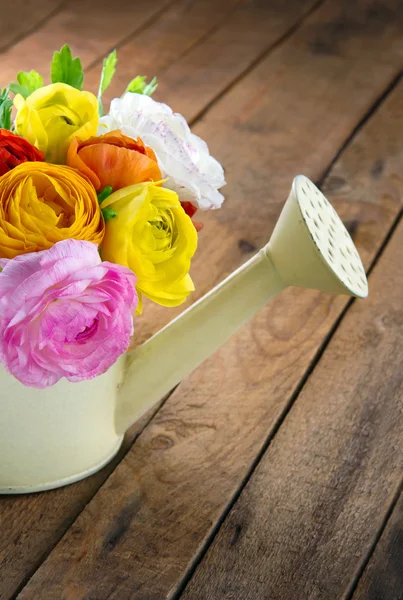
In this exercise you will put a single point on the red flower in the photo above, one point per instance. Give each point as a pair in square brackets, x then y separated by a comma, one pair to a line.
[15, 150]
[190, 210]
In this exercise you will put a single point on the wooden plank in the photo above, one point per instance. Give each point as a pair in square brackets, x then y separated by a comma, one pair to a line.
[26, 537]
[13, 27]
[383, 577]
[143, 529]
[203, 74]
[183, 26]
[91, 27]
[194, 58]
[308, 516]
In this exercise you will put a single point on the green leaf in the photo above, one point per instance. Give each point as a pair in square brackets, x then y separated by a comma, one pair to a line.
[108, 71]
[28, 82]
[105, 193]
[109, 213]
[6, 105]
[66, 69]
[139, 85]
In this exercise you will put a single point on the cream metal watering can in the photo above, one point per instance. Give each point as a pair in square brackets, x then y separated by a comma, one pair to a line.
[53, 437]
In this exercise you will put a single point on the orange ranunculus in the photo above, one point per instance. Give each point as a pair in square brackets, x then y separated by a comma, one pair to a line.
[41, 204]
[114, 160]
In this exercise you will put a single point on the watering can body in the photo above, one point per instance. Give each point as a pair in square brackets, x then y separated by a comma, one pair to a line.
[52, 437]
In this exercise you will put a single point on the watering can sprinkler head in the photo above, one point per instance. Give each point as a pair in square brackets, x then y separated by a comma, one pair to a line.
[311, 248]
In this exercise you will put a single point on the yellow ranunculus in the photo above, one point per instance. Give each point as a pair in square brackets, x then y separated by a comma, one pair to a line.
[41, 204]
[52, 115]
[154, 237]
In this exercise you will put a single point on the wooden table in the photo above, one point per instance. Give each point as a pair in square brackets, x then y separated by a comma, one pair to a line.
[274, 471]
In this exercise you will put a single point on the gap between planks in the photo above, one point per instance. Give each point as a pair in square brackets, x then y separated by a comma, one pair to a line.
[259, 58]
[67, 24]
[371, 110]
[310, 369]
[147, 25]
[383, 576]
[360, 577]
[218, 576]
[287, 34]
[42, 21]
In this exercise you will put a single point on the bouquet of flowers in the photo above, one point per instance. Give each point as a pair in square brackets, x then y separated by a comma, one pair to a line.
[95, 215]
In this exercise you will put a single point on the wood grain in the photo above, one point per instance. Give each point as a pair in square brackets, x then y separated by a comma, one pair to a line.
[181, 27]
[204, 73]
[308, 516]
[198, 50]
[91, 27]
[383, 577]
[142, 531]
[13, 27]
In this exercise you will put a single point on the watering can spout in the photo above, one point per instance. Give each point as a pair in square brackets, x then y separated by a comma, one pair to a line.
[309, 247]
[159, 364]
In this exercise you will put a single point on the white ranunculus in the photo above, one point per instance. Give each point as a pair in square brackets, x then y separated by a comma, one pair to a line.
[183, 157]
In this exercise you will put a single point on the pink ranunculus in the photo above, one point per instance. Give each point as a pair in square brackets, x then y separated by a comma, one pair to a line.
[64, 313]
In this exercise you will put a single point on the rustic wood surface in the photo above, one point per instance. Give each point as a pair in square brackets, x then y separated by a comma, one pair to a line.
[383, 577]
[13, 27]
[276, 88]
[304, 523]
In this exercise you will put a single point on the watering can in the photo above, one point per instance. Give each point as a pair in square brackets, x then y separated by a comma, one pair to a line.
[59, 435]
